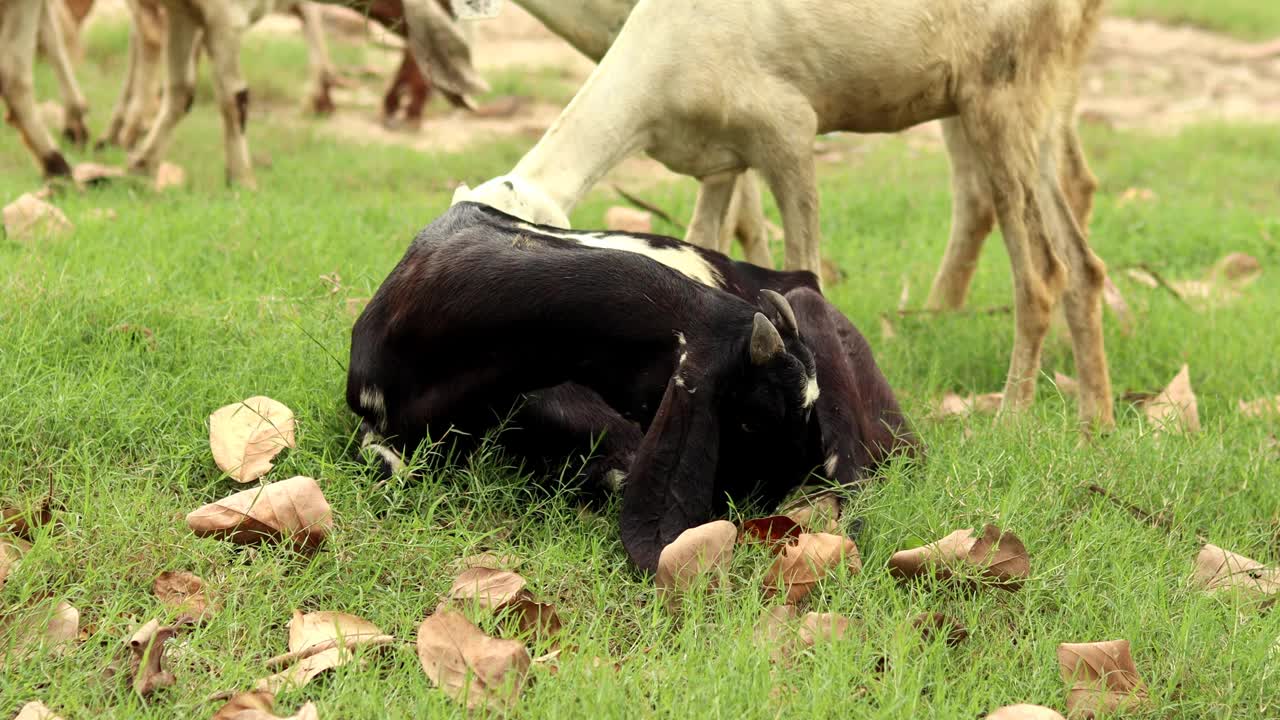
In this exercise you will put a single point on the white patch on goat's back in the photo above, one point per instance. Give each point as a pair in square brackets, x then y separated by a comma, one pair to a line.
[682, 259]
[811, 391]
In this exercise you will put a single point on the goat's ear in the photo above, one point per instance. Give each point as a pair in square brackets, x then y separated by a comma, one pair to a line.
[786, 316]
[460, 193]
[765, 340]
[670, 487]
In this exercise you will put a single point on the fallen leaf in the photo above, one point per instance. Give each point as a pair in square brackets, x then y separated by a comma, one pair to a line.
[1236, 269]
[1135, 194]
[138, 331]
[333, 280]
[169, 175]
[42, 624]
[487, 588]
[245, 436]
[1000, 557]
[1116, 302]
[1024, 712]
[22, 523]
[935, 624]
[782, 630]
[1067, 385]
[11, 551]
[35, 710]
[1100, 677]
[624, 219]
[806, 561]
[823, 627]
[293, 510]
[102, 214]
[953, 405]
[539, 621]
[184, 592]
[1175, 408]
[1219, 570]
[820, 514]
[146, 648]
[320, 641]
[1142, 277]
[771, 530]
[30, 218]
[469, 666]
[699, 551]
[260, 705]
[94, 173]
[1262, 407]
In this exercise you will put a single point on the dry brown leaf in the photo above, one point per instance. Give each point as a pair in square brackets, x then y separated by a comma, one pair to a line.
[1067, 385]
[771, 530]
[1000, 557]
[539, 621]
[1236, 269]
[22, 522]
[146, 648]
[953, 405]
[1262, 407]
[775, 630]
[41, 624]
[184, 592]
[169, 175]
[1135, 194]
[94, 173]
[806, 561]
[1142, 277]
[30, 218]
[469, 666]
[935, 624]
[292, 509]
[487, 588]
[36, 710]
[820, 514]
[260, 705]
[1024, 712]
[1175, 408]
[320, 641]
[705, 550]
[823, 627]
[11, 551]
[1114, 300]
[245, 436]
[1100, 677]
[625, 219]
[1219, 570]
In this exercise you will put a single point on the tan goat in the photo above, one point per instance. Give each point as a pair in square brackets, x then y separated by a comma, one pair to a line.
[711, 90]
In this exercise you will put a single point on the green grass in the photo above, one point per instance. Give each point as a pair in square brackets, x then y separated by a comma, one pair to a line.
[1246, 18]
[229, 284]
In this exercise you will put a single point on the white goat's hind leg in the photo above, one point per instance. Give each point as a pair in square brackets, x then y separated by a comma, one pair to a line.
[75, 105]
[183, 33]
[116, 123]
[19, 23]
[1085, 277]
[1009, 144]
[223, 31]
[319, 64]
[972, 217]
[149, 37]
[747, 218]
[711, 211]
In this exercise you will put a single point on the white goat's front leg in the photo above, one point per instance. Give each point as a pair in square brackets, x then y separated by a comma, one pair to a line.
[319, 64]
[787, 165]
[224, 25]
[972, 218]
[711, 211]
[746, 219]
[19, 23]
[74, 103]
[183, 32]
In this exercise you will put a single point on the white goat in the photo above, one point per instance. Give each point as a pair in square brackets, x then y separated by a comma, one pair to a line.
[23, 23]
[714, 89]
[433, 38]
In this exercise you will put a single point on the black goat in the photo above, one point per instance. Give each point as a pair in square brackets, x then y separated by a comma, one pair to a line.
[701, 395]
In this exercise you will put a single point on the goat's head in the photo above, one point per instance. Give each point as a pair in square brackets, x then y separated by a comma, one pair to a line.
[516, 196]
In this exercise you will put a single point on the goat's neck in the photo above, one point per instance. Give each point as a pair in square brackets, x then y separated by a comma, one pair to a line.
[605, 122]
[589, 25]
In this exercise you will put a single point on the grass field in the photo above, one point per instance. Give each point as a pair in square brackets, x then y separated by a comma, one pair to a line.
[230, 286]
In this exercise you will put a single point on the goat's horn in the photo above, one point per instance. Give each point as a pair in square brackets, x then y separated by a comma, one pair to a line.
[784, 309]
[765, 340]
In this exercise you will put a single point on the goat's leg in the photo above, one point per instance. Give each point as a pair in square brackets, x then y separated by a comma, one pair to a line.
[1078, 182]
[972, 217]
[711, 210]
[19, 23]
[319, 64]
[116, 123]
[223, 31]
[182, 35]
[794, 185]
[746, 221]
[149, 24]
[1086, 275]
[1008, 144]
[419, 89]
[74, 103]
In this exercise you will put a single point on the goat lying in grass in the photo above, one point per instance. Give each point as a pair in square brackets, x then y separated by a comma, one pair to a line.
[712, 91]
[700, 394]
